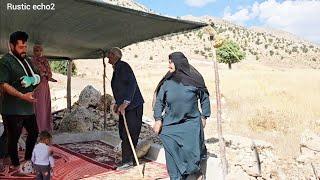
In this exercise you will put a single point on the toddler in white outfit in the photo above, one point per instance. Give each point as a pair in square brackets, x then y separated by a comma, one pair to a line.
[42, 159]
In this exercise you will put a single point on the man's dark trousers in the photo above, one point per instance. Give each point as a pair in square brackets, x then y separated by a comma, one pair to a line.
[3, 143]
[134, 121]
[14, 125]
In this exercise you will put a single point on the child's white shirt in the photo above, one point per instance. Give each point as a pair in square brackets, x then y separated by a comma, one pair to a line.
[41, 155]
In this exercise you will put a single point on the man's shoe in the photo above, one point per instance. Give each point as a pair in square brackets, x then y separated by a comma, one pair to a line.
[125, 166]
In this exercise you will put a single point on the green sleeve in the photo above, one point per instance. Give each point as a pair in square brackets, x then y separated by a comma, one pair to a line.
[205, 104]
[4, 72]
[160, 102]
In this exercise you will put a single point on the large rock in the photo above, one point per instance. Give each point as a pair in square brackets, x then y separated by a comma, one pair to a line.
[89, 96]
[79, 120]
[310, 141]
[109, 103]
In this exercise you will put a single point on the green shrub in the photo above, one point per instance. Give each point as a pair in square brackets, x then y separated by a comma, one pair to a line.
[207, 49]
[200, 34]
[61, 66]
[271, 53]
[304, 49]
[295, 49]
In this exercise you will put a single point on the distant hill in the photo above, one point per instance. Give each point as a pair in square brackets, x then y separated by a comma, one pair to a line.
[265, 45]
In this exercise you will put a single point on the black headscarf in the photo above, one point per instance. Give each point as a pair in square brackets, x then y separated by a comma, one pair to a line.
[184, 73]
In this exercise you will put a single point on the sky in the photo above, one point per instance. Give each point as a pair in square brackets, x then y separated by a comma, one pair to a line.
[299, 17]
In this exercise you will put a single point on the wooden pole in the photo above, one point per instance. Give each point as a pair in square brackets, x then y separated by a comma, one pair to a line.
[104, 93]
[219, 119]
[219, 123]
[69, 73]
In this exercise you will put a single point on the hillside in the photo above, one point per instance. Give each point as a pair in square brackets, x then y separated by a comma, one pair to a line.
[269, 46]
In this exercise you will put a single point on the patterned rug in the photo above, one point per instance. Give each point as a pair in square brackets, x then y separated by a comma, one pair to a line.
[96, 152]
[91, 160]
[102, 154]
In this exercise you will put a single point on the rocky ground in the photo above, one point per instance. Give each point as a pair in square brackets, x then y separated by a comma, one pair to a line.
[247, 158]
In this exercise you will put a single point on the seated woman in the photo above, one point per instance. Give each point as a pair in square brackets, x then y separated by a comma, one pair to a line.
[42, 92]
[181, 125]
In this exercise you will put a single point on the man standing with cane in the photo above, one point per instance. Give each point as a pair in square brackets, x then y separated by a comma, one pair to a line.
[129, 102]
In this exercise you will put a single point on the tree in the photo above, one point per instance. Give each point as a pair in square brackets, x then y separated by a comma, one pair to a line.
[230, 53]
[61, 67]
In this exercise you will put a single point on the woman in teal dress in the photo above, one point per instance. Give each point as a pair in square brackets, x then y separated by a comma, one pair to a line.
[179, 122]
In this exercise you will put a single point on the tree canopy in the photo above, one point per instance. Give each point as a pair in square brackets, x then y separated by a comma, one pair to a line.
[229, 52]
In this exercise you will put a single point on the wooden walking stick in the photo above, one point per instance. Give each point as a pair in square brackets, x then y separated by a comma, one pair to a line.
[131, 144]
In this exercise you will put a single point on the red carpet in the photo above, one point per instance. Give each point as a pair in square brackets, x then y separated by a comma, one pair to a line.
[67, 166]
[92, 160]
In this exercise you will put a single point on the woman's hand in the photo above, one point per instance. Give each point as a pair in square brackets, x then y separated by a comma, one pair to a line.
[157, 126]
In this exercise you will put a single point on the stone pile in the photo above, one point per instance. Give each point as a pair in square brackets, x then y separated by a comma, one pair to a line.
[87, 114]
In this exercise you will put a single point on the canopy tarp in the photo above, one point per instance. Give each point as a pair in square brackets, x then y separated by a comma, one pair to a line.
[78, 29]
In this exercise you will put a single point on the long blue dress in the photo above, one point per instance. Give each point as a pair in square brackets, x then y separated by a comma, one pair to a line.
[182, 131]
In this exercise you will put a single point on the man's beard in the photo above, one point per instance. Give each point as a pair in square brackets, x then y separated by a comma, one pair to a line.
[19, 56]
